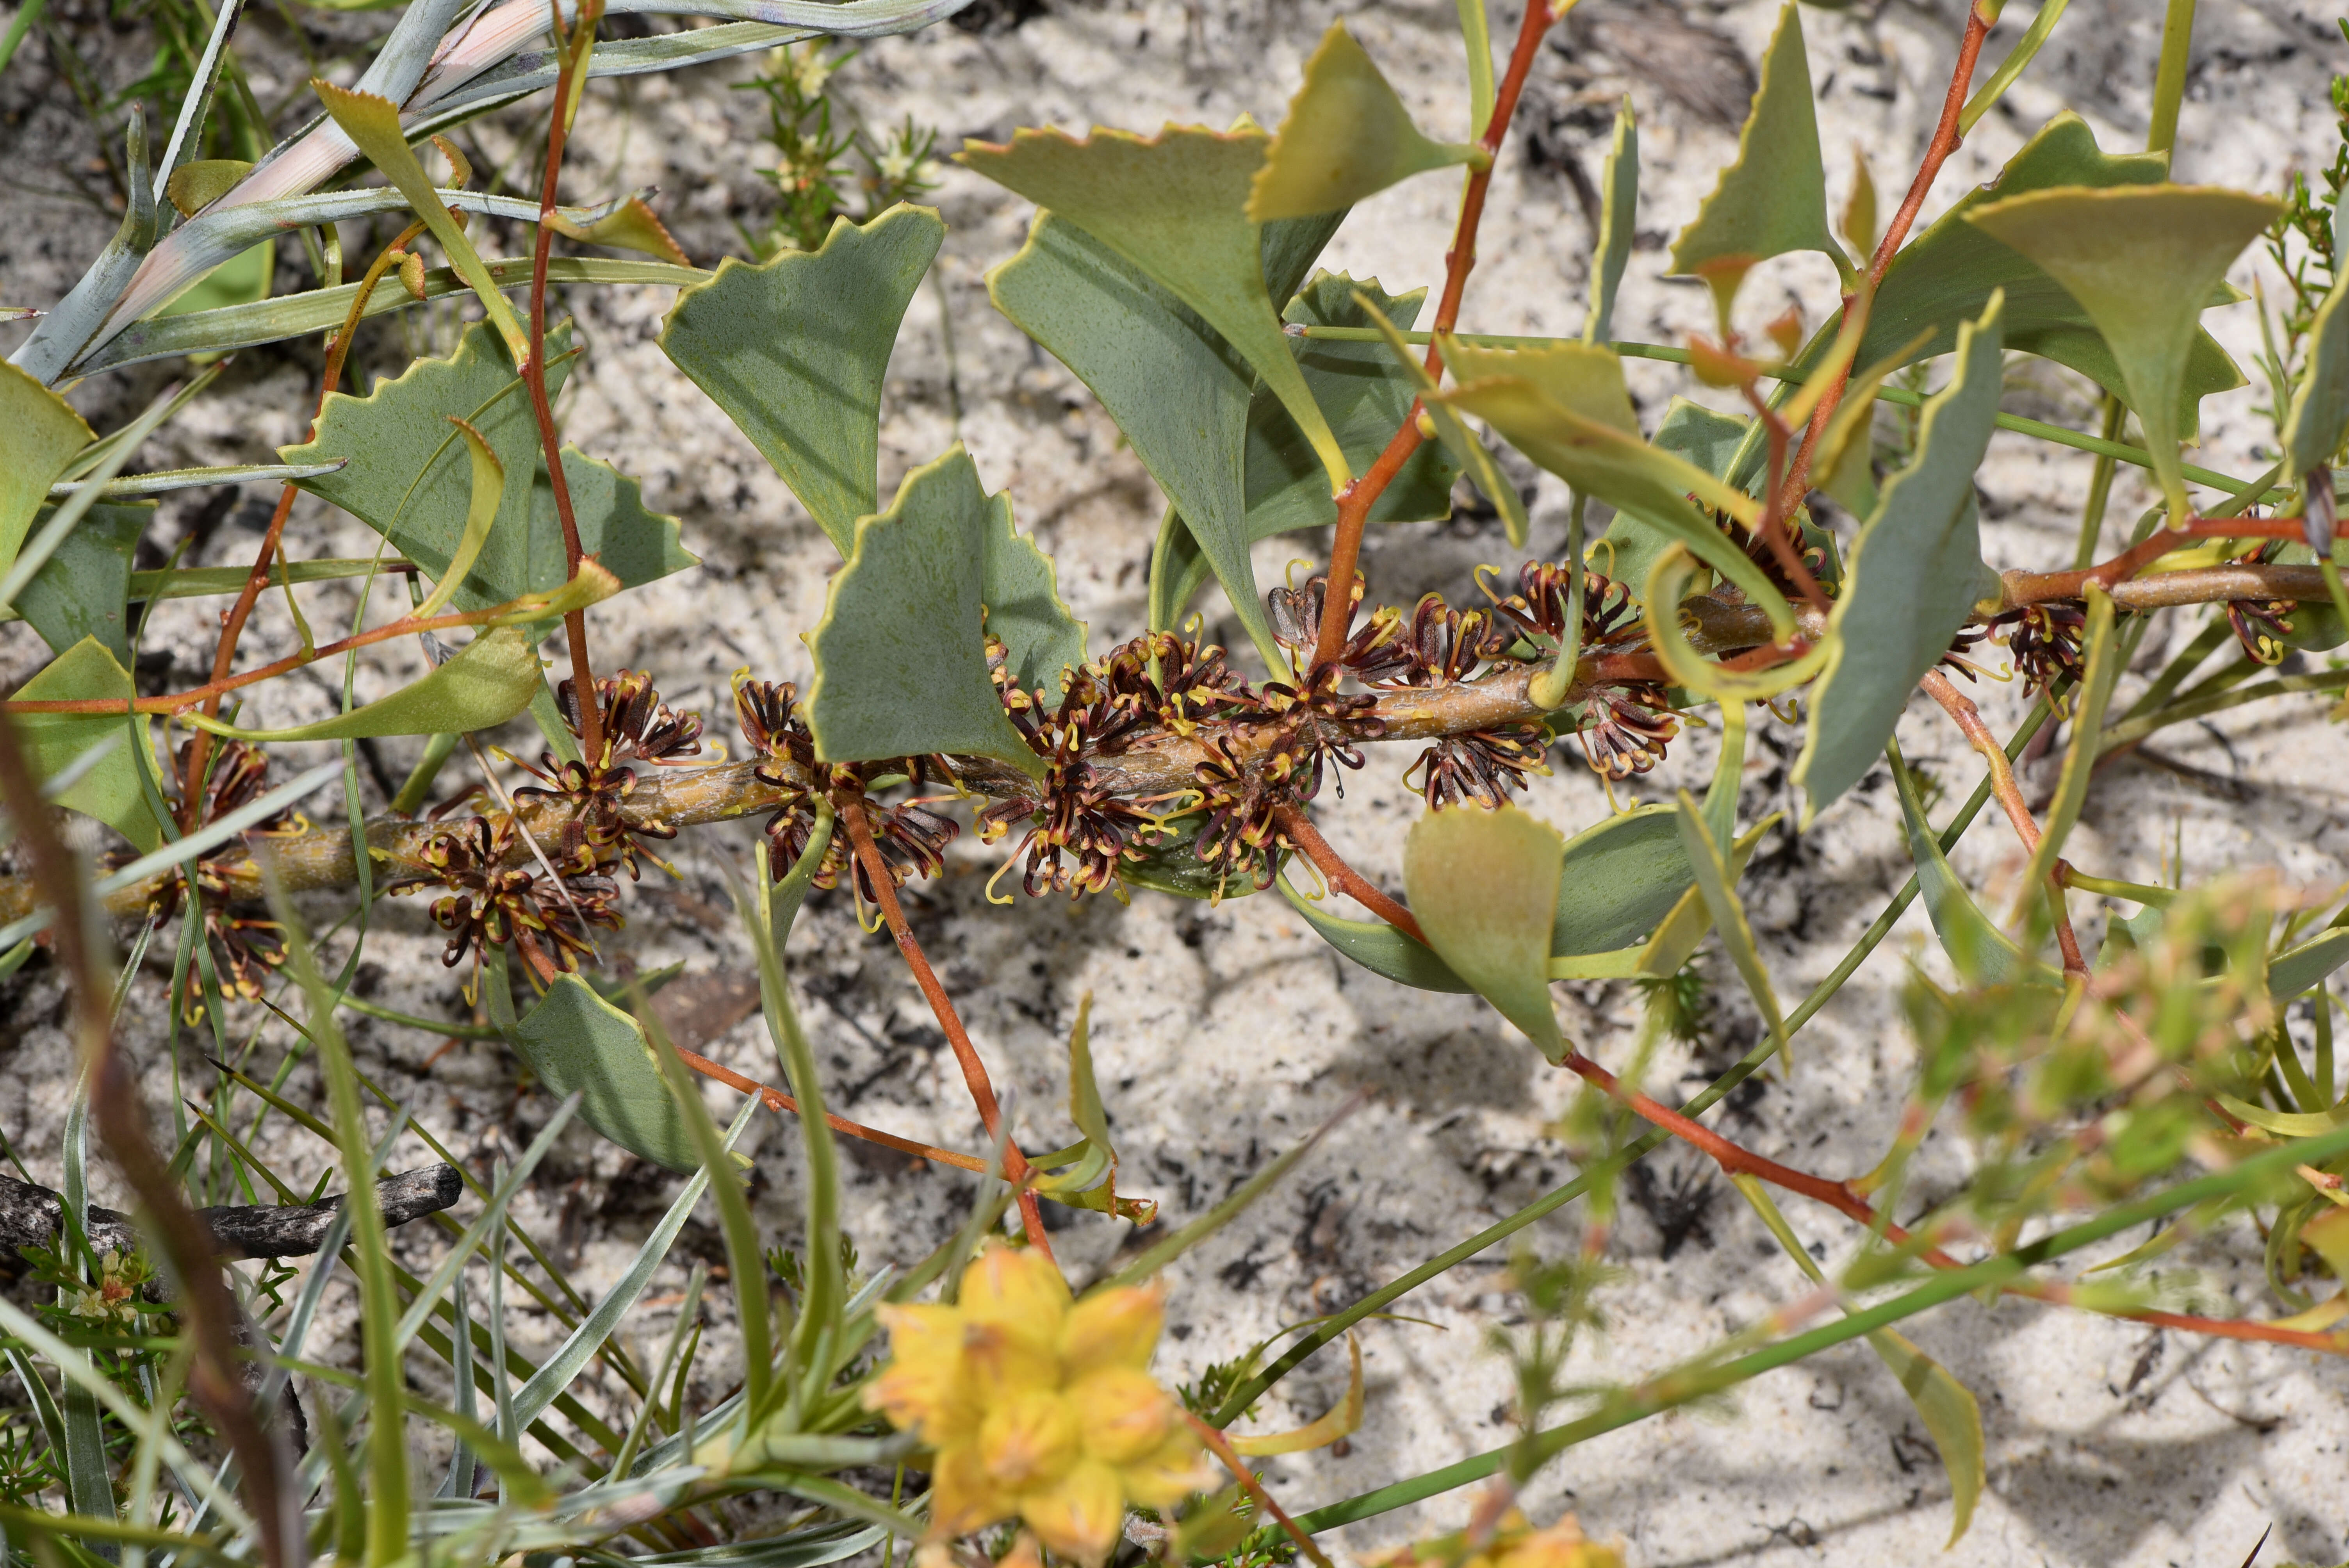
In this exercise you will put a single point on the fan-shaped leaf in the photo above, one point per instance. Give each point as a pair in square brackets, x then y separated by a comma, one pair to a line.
[405, 474]
[1773, 197]
[1176, 206]
[83, 589]
[1915, 570]
[112, 791]
[1347, 136]
[1178, 390]
[1946, 275]
[1483, 885]
[1023, 604]
[901, 654]
[795, 350]
[39, 434]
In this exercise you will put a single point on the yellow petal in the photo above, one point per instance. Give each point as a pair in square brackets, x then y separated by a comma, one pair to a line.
[923, 1387]
[1123, 1415]
[1017, 1289]
[1177, 1469]
[1081, 1516]
[1028, 1441]
[962, 1497]
[999, 1362]
[1113, 1329]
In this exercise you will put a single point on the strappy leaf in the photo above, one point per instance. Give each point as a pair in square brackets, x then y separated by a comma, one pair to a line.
[1378, 947]
[487, 682]
[1618, 210]
[2319, 419]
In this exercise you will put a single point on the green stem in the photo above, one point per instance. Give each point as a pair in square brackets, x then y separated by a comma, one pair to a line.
[1694, 1382]
[2121, 735]
[1550, 1203]
[2170, 77]
[2100, 487]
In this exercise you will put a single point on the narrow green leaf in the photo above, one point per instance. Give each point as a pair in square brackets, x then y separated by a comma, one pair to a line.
[1346, 137]
[1945, 276]
[2104, 657]
[1948, 1408]
[2142, 261]
[162, 481]
[324, 310]
[1175, 206]
[1718, 885]
[2296, 970]
[1477, 32]
[488, 681]
[1984, 954]
[1378, 947]
[577, 1043]
[1619, 192]
[1619, 881]
[406, 473]
[489, 496]
[83, 590]
[39, 434]
[795, 350]
[1024, 610]
[372, 122]
[112, 791]
[1915, 570]
[900, 655]
[1773, 197]
[1567, 408]
[1483, 885]
[2319, 420]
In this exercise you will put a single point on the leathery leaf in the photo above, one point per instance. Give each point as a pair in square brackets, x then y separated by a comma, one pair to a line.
[39, 434]
[84, 588]
[1915, 570]
[2319, 420]
[1347, 136]
[1178, 390]
[577, 1043]
[1773, 197]
[1984, 954]
[1483, 885]
[112, 791]
[490, 680]
[1175, 205]
[1619, 881]
[1566, 407]
[1618, 189]
[1945, 276]
[901, 652]
[795, 350]
[1377, 946]
[2142, 261]
[1023, 604]
[406, 473]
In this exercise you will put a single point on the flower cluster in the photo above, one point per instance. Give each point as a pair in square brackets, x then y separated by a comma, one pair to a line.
[245, 950]
[492, 902]
[1037, 1406]
[113, 1301]
[2043, 642]
[638, 727]
[2260, 625]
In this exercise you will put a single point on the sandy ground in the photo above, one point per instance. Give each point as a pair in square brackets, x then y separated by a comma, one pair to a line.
[1224, 1035]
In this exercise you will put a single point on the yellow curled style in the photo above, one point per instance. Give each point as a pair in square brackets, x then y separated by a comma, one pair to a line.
[1687, 667]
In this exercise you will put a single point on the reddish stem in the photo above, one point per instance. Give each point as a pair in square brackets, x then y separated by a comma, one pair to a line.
[575, 624]
[1354, 502]
[1254, 1489]
[850, 806]
[778, 1101]
[1945, 142]
[1300, 831]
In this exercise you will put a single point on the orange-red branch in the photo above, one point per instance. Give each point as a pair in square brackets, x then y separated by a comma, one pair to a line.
[776, 1100]
[1300, 831]
[1355, 502]
[850, 804]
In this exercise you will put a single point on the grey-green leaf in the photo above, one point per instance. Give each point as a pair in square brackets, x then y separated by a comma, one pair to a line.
[901, 653]
[2319, 420]
[1915, 571]
[1984, 954]
[1619, 881]
[795, 350]
[113, 791]
[1378, 947]
[1618, 187]
[83, 589]
[1773, 197]
[409, 476]
[1023, 604]
[577, 1043]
